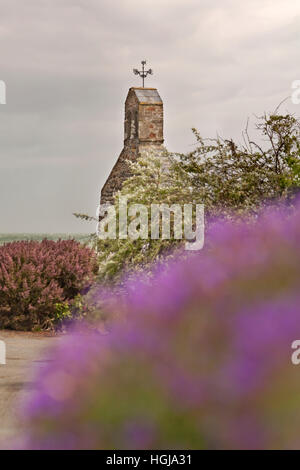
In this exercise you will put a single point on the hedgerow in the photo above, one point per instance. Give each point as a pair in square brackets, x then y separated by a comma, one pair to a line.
[39, 279]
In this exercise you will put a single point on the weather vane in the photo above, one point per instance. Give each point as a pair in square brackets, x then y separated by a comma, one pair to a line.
[143, 73]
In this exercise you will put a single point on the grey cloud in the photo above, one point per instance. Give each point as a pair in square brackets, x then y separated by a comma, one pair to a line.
[67, 65]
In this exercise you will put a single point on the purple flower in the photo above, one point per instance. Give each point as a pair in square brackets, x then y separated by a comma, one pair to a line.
[198, 358]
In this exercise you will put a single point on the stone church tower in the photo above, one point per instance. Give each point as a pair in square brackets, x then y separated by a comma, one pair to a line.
[143, 130]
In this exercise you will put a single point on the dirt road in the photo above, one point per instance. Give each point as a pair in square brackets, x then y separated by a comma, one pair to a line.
[23, 350]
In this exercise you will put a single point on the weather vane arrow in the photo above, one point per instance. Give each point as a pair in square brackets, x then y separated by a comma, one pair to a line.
[143, 73]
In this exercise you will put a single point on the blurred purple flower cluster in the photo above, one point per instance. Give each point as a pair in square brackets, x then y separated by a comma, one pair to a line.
[36, 276]
[201, 358]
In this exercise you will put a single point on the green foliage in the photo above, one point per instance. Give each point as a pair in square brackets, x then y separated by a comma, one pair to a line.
[15, 237]
[153, 181]
[61, 312]
[224, 175]
[87, 218]
[227, 176]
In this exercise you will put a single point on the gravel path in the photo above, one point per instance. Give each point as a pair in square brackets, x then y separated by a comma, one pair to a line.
[23, 350]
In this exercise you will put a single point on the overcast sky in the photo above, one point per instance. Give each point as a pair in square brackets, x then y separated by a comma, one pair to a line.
[68, 65]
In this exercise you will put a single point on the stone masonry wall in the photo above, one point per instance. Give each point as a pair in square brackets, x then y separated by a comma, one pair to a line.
[151, 123]
[143, 129]
[118, 175]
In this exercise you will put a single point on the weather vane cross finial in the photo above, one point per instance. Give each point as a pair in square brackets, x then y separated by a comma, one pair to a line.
[143, 73]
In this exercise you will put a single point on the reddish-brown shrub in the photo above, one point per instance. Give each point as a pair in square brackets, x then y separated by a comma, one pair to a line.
[37, 277]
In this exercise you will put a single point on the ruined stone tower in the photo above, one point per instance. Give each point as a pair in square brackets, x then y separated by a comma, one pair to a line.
[143, 130]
